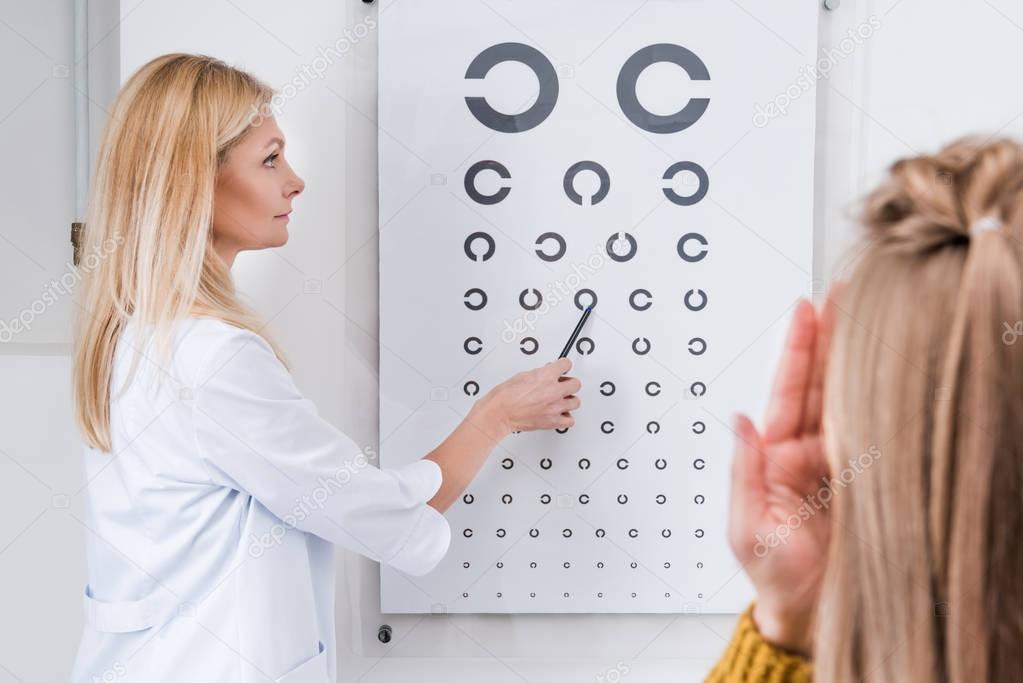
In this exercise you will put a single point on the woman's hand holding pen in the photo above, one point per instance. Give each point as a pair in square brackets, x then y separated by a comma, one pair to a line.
[541, 398]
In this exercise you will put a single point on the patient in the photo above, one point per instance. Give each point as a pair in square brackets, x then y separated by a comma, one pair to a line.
[879, 510]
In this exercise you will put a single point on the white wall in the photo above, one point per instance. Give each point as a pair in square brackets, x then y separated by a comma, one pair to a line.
[42, 552]
[933, 70]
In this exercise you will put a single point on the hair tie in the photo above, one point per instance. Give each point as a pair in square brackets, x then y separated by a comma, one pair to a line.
[984, 224]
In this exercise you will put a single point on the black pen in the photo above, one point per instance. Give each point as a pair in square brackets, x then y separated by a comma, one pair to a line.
[576, 331]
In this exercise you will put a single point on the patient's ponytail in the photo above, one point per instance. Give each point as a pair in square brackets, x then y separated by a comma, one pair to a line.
[923, 581]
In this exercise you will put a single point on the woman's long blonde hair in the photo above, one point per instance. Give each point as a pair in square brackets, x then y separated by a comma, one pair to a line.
[147, 247]
[925, 574]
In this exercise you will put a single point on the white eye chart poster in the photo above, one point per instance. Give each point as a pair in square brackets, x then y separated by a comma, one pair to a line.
[654, 159]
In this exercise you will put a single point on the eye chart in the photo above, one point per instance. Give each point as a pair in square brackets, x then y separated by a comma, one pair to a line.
[538, 157]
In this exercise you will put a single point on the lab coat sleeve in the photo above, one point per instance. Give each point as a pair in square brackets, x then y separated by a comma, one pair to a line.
[256, 433]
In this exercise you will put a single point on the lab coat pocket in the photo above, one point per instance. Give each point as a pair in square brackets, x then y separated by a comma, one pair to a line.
[125, 616]
[312, 670]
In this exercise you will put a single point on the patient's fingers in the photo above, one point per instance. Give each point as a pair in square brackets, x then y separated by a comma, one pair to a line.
[788, 395]
[814, 407]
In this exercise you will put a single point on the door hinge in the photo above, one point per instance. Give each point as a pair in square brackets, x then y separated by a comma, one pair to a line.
[76, 241]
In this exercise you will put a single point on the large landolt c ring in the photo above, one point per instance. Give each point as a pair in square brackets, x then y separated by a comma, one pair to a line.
[545, 100]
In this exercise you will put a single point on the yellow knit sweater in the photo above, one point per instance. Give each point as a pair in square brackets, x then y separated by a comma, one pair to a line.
[751, 659]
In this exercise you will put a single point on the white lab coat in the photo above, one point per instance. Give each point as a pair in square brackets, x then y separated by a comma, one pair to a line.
[209, 528]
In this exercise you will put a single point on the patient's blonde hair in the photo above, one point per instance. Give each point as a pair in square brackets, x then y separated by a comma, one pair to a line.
[925, 575]
[147, 247]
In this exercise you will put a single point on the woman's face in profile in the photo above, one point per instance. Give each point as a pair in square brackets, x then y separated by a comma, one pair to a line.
[254, 190]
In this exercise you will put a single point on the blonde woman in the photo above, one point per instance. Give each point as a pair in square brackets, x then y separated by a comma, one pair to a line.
[879, 512]
[215, 492]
